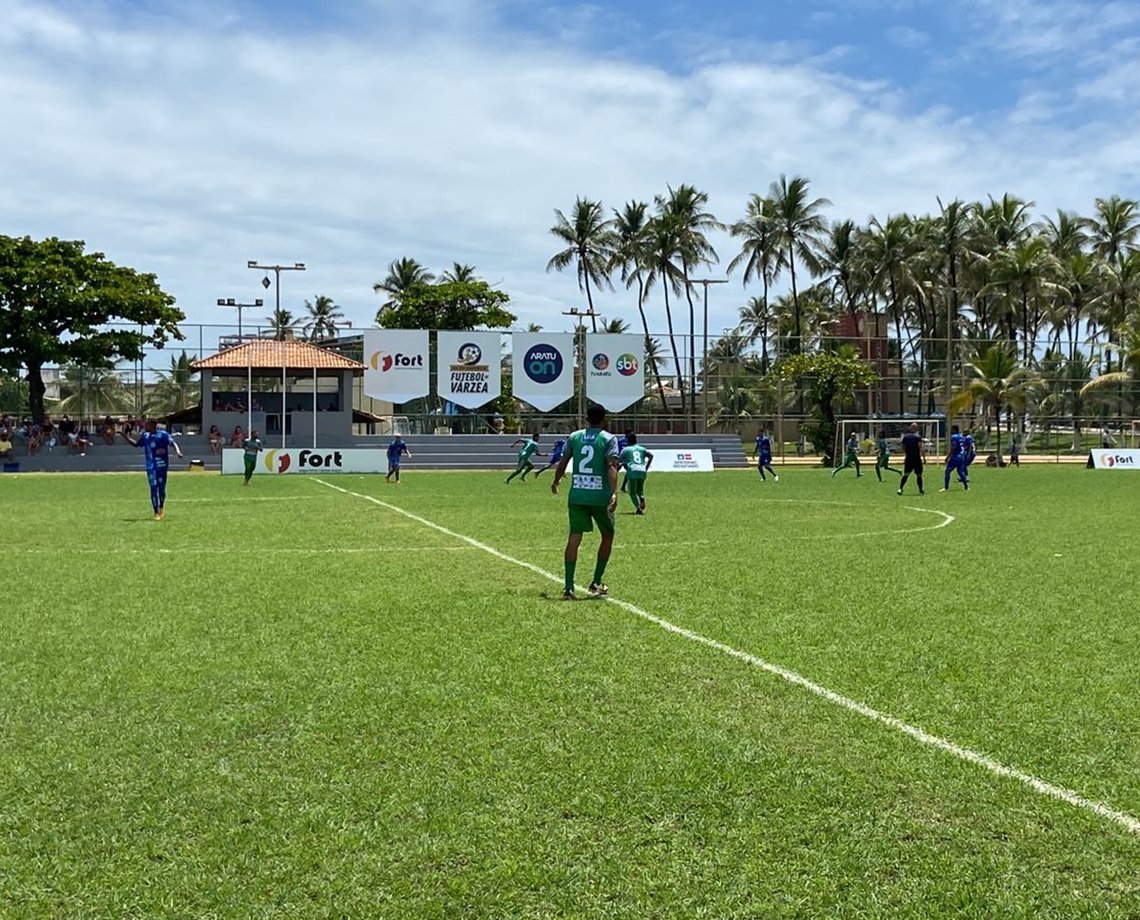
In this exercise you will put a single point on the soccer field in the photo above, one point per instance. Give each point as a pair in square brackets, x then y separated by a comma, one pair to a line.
[328, 696]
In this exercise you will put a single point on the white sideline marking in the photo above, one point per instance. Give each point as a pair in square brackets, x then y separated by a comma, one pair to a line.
[1068, 796]
[231, 551]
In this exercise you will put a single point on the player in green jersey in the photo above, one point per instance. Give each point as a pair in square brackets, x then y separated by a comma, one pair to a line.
[529, 449]
[636, 460]
[850, 457]
[593, 495]
[883, 460]
[252, 446]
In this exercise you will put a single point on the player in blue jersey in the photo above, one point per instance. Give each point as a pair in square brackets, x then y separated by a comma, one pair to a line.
[555, 456]
[156, 452]
[763, 455]
[396, 450]
[956, 460]
[969, 449]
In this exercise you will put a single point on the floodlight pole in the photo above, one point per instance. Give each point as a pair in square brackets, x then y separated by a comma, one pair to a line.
[580, 344]
[277, 270]
[705, 282]
[230, 302]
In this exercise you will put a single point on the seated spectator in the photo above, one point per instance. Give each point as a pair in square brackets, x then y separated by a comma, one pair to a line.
[107, 430]
[83, 441]
[35, 439]
[215, 439]
[5, 445]
[237, 438]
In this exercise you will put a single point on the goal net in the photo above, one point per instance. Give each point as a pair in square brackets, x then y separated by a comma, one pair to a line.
[867, 431]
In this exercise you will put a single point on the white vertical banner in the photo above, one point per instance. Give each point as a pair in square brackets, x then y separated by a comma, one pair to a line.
[543, 368]
[396, 364]
[615, 369]
[469, 367]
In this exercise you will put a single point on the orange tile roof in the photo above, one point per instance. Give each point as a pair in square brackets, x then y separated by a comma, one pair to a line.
[267, 353]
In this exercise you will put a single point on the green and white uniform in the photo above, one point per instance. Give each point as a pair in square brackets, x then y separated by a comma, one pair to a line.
[883, 460]
[524, 465]
[850, 456]
[636, 459]
[251, 446]
[591, 449]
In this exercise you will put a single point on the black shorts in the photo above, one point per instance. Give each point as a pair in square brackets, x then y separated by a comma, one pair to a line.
[913, 465]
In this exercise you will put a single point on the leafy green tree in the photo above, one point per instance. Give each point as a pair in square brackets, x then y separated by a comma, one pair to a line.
[448, 305]
[13, 395]
[999, 384]
[831, 379]
[322, 318]
[589, 244]
[282, 322]
[60, 305]
[177, 387]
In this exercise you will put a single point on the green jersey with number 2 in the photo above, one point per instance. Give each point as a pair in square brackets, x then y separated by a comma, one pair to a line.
[591, 449]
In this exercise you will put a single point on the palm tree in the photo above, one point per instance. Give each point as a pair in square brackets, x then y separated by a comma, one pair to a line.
[755, 319]
[402, 274]
[1027, 268]
[323, 314]
[686, 204]
[841, 257]
[631, 240]
[762, 256]
[799, 226]
[93, 391]
[889, 249]
[661, 250]
[999, 383]
[176, 388]
[590, 242]
[614, 326]
[282, 323]
[459, 274]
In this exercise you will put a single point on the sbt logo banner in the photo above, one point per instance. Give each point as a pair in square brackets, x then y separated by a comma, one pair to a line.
[469, 371]
[396, 364]
[1113, 459]
[544, 368]
[306, 460]
[615, 375]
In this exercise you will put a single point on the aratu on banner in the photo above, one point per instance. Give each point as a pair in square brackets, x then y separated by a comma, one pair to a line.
[615, 369]
[396, 364]
[543, 368]
[469, 367]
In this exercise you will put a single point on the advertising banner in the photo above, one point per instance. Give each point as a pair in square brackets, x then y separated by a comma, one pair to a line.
[469, 367]
[1114, 459]
[543, 368]
[682, 461]
[396, 364]
[306, 460]
[615, 369]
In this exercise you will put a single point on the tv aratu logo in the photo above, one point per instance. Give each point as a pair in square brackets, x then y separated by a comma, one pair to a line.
[601, 361]
[383, 361]
[543, 363]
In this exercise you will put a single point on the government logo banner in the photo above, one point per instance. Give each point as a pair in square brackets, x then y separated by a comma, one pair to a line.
[396, 364]
[543, 368]
[615, 369]
[469, 367]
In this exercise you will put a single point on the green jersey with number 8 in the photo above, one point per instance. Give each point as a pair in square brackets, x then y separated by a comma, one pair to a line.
[592, 449]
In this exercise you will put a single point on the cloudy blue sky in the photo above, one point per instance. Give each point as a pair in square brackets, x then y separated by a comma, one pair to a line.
[186, 139]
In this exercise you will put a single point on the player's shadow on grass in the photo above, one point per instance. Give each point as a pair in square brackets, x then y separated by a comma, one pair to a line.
[551, 596]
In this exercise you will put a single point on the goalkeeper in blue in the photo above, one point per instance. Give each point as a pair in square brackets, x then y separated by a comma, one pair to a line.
[156, 447]
[763, 456]
[956, 460]
[555, 456]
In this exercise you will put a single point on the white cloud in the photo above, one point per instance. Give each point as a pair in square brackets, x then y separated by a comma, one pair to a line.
[188, 147]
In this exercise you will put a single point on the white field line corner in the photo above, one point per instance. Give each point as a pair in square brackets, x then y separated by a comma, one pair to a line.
[1123, 819]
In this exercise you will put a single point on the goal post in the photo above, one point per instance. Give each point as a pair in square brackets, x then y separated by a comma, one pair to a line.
[867, 429]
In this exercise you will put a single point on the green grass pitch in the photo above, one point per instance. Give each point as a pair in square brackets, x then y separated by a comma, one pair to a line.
[289, 701]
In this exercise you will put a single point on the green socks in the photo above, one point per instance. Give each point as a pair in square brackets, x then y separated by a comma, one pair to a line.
[570, 576]
[600, 569]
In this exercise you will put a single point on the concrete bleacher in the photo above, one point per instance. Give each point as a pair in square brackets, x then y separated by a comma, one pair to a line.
[429, 452]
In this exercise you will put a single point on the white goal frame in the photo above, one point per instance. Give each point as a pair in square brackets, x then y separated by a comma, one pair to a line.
[868, 428]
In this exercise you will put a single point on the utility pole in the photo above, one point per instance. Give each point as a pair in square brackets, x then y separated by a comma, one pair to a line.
[580, 348]
[705, 282]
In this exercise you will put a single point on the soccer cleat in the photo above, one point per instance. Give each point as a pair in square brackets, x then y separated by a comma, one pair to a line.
[943, 490]
[157, 516]
[899, 492]
[641, 505]
[775, 478]
[568, 596]
[597, 590]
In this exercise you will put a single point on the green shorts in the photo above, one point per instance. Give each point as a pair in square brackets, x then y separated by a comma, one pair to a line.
[582, 518]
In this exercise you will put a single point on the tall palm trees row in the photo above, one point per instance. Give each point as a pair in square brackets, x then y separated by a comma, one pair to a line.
[976, 271]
